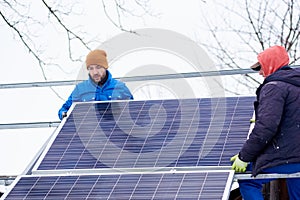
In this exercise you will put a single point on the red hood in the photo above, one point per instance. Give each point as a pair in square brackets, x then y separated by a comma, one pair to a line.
[272, 59]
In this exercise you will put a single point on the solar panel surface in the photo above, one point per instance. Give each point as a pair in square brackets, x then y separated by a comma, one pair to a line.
[152, 133]
[200, 185]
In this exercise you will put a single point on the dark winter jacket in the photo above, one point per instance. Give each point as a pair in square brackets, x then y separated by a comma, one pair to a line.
[275, 139]
[88, 90]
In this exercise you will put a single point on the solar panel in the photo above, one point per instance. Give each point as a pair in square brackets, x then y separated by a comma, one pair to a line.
[196, 185]
[152, 133]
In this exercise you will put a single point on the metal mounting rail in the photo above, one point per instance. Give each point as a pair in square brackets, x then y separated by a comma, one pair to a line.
[136, 78]
[130, 79]
[243, 176]
[29, 125]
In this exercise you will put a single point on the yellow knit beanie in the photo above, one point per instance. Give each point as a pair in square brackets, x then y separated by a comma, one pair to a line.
[97, 57]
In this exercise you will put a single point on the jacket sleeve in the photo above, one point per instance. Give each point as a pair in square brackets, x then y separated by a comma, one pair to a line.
[126, 93]
[269, 113]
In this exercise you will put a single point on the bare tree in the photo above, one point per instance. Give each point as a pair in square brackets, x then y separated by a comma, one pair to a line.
[253, 26]
[19, 18]
[23, 23]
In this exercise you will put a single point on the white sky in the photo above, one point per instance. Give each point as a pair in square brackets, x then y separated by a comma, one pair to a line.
[18, 147]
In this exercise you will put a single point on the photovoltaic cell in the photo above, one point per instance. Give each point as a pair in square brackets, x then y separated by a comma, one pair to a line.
[152, 133]
[199, 185]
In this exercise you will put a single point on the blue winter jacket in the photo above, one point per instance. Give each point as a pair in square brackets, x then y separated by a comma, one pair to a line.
[88, 90]
[275, 139]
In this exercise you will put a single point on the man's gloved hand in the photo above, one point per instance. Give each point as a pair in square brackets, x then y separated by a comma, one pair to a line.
[238, 165]
[64, 114]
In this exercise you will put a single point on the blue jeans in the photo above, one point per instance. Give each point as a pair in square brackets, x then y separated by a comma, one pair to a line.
[251, 189]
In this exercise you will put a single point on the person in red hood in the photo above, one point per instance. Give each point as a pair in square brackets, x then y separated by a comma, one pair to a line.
[271, 59]
[273, 145]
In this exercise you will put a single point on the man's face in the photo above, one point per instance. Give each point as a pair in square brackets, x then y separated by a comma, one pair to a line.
[261, 72]
[96, 72]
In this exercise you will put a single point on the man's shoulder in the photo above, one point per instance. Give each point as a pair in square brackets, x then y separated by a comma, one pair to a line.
[115, 82]
[275, 86]
[84, 84]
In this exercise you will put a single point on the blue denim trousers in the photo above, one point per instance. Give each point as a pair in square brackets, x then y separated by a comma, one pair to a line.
[251, 189]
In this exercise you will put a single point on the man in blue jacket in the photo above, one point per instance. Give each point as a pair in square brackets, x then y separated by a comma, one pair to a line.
[274, 143]
[100, 85]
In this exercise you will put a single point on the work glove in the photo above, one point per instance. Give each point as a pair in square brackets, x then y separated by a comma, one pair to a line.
[238, 165]
[64, 114]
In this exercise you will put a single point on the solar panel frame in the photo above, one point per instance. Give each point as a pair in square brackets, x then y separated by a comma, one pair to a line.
[219, 109]
[166, 185]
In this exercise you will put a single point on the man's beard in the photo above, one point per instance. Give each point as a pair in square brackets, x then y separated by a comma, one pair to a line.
[97, 78]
